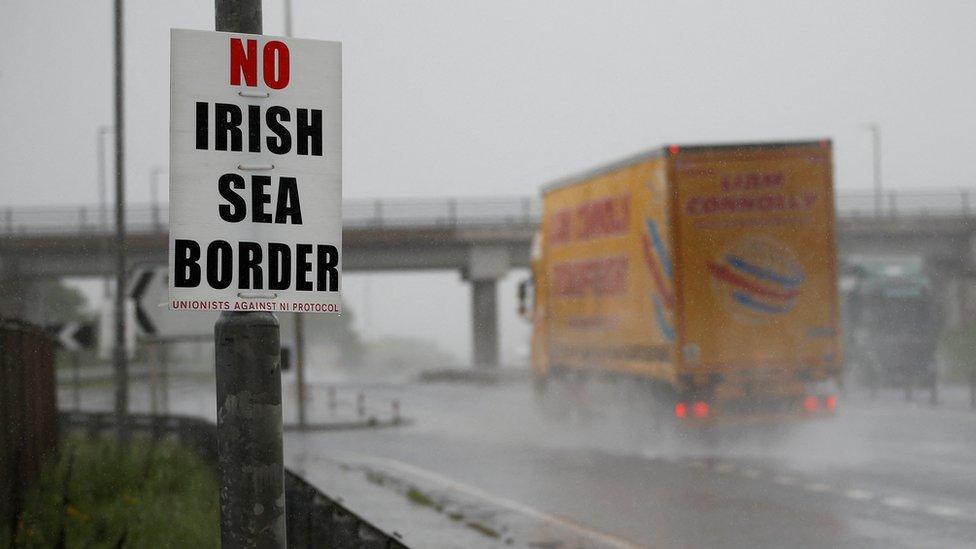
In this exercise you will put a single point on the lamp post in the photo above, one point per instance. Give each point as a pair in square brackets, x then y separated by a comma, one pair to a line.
[121, 361]
[103, 131]
[875, 130]
[299, 326]
[154, 174]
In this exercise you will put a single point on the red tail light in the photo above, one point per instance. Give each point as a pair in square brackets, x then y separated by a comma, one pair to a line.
[674, 149]
[810, 403]
[681, 410]
[830, 403]
[700, 409]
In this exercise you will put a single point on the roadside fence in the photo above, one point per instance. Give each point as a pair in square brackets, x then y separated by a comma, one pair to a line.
[28, 412]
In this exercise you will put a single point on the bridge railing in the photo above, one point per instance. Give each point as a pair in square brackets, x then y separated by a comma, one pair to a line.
[441, 212]
[934, 203]
[142, 218]
[446, 212]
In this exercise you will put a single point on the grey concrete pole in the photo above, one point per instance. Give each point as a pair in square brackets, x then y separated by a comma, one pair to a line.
[121, 360]
[238, 16]
[249, 433]
[248, 364]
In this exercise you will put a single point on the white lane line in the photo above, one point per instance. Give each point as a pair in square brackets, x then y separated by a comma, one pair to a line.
[859, 495]
[724, 467]
[895, 502]
[899, 502]
[944, 511]
[784, 480]
[655, 454]
[610, 540]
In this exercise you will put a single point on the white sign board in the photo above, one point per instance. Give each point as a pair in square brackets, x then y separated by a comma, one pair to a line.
[255, 173]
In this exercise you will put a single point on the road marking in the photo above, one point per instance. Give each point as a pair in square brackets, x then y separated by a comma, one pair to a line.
[895, 502]
[944, 511]
[899, 502]
[784, 480]
[817, 487]
[604, 537]
[859, 495]
[955, 415]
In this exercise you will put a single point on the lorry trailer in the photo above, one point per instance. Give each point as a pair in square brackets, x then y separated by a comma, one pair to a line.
[706, 273]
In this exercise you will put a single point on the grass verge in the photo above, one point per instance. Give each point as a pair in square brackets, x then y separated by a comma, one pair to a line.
[97, 495]
[421, 498]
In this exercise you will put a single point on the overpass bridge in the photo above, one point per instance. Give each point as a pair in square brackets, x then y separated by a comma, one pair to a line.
[481, 238]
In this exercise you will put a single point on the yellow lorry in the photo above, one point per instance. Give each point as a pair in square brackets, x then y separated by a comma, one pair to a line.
[707, 273]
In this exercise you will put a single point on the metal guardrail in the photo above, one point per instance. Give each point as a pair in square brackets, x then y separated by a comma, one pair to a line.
[450, 212]
[934, 203]
[312, 518]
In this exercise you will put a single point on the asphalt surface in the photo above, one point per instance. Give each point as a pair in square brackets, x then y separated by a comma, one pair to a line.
[587, 470]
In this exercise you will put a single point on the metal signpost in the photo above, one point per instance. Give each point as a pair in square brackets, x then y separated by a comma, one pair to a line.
[108, 327]
[255, 229]
[119, 353]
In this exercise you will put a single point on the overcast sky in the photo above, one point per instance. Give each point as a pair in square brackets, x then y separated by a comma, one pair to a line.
[466, 98]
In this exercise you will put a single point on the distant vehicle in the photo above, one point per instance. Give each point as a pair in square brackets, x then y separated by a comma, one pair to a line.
[706, 274]
[892, 325]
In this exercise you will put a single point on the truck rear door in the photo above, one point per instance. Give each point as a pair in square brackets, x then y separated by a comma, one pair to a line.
[756, 281]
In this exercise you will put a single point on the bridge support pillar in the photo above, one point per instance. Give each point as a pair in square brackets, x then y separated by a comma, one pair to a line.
[955, 293]
[486, 265]
[484, 320]
[963, 300]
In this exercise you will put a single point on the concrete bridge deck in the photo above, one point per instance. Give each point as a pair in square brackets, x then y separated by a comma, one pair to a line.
[482, 238]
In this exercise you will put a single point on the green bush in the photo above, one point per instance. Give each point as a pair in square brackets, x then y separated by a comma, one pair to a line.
[96, 495]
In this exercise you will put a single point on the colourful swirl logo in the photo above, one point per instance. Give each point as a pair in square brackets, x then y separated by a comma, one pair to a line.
[659, 265]
[758, 278]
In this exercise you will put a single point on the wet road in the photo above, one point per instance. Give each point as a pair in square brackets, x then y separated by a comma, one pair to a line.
[880, 474]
